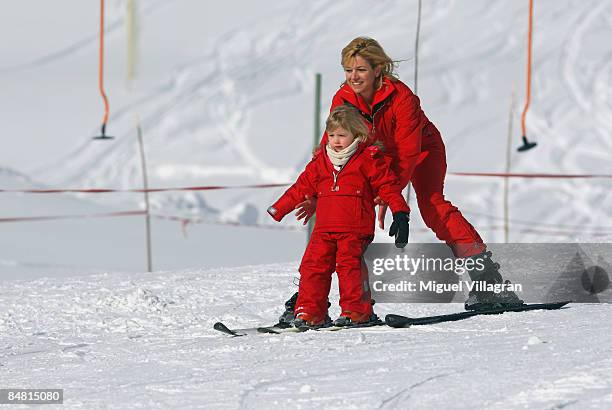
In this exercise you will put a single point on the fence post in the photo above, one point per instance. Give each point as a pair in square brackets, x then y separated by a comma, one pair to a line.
[145, 184]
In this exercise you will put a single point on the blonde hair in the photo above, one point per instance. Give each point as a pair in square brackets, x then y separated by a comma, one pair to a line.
[371, 51]
[347, 117]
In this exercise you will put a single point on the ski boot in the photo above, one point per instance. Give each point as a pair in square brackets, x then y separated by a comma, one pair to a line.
[355, 318]
[486, 299]
[288, 316]
[305, 321]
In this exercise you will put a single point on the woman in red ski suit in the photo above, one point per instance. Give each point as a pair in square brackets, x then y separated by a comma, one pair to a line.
[345, 221]
[416, 153]
[412, 142]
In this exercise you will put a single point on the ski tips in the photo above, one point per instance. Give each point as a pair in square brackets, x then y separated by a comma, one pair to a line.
[222, 328]
[397, 320]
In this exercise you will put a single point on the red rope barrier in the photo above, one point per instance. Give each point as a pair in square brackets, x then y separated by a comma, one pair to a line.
[185, 221]
[58, 217]
[519, 175]
[554, 232]
[220, 187]
[104, 190]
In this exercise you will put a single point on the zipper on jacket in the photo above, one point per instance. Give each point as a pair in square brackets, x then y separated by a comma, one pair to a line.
[335, 175]
[377, 108]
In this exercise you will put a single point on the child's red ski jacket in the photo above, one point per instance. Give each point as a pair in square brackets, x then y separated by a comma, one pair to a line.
[345, 198]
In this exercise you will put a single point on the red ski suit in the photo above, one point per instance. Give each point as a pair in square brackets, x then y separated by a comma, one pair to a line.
[417, 154]
[344, 226]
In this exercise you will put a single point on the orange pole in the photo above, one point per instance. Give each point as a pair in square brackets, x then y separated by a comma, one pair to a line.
[529, 37]
[101, 68]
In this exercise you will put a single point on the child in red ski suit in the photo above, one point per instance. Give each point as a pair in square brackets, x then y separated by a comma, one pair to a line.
[345, 177]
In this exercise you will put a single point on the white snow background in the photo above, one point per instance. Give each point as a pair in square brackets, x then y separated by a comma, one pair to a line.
[225, 97]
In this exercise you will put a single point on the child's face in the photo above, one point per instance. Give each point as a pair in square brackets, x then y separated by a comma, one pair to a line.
[339, 138]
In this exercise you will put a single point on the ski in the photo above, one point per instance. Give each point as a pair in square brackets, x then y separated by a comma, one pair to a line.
[396, 321]
[234, 333]
[333, 328]
[403, 321]
[278, 328]
[327, 328]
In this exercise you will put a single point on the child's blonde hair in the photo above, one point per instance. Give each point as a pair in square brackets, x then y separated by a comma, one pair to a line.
[347, 117]
[371, 51]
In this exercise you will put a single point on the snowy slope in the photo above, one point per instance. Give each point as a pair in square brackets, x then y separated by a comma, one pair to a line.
[146, 340]
[226, 105]
[225, 96]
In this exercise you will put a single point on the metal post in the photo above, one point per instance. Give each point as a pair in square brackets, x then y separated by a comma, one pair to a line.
[508, 158]
[132, 41]
[317, 135]
[416, 49]
[416, 73]
[145, 184]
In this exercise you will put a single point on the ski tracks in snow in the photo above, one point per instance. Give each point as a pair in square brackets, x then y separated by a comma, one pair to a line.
[209, 121]
[581, 387]
[570, 116]
[149, 338]
[113, 24]
[214, 102]
[398, 400]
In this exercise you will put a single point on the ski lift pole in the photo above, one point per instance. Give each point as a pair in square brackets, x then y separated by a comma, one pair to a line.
[317, 136]
[103, 135]
[526, 144]
[508, 168]
[416, 49]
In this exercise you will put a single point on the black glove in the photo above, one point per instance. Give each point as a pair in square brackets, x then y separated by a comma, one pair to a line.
[399, 228]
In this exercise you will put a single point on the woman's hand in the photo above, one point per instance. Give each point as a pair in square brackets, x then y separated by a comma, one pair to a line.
[399, 228]
[306, 209]
[382, 211]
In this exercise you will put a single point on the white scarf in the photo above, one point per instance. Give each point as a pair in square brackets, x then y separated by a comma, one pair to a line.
[340, 158]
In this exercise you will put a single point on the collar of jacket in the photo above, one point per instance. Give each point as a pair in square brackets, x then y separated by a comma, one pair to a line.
[362, 146]
[380, 95]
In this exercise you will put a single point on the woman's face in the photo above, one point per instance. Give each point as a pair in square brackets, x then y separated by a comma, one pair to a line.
[360, 75]
[339, 138]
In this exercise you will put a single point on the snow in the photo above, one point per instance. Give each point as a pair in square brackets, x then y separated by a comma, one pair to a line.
[224, 94]
[146, 340]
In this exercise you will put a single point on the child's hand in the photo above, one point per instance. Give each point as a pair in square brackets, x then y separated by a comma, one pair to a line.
[306, 209]
[399, 228]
